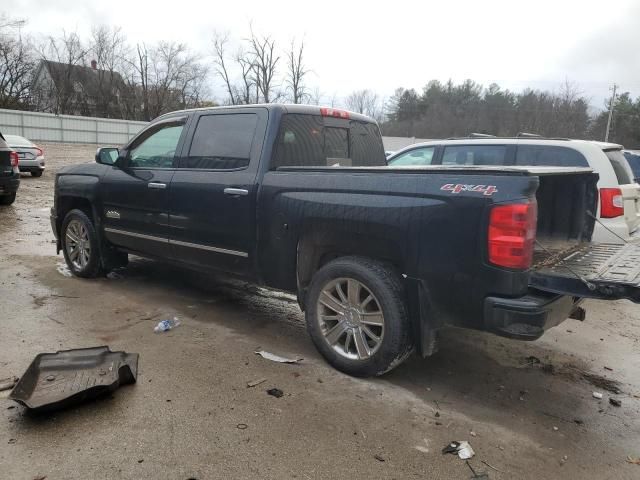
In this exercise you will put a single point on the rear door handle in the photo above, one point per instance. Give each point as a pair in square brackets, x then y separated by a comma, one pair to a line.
[236, 191]
[157, 185]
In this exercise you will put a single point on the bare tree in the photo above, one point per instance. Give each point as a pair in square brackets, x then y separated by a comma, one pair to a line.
[296, 71]
[243, 92]
[265, 61]
[219, 46]
[364, 101]
[16, 69]
[65, 93]
[108, 49]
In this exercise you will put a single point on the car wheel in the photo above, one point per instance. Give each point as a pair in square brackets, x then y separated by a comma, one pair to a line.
[7, 199]
[357, 318]
[36, 173]
[80, 245]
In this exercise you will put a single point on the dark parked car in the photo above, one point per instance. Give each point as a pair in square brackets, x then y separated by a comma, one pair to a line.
[300, 199]
[30, 155]
[9, 173]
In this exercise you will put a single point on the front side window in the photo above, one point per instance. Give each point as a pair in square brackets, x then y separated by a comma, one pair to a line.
[157, 149]
[222, 142]
[305, 141]
[474, 155]
[418, 156]
[549, 156]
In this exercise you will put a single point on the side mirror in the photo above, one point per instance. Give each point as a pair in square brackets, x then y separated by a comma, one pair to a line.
[107, 155]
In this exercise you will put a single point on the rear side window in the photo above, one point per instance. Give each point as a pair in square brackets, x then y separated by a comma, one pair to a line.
[417, 156]
[306, 141]
[549, 156]
[620, 166]
[222, 142]
[474, 155]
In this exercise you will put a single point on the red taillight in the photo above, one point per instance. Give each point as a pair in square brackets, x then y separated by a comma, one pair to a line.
[611, 203]
[512, 233]
[332, 112]
[39, 152]
[14, 159]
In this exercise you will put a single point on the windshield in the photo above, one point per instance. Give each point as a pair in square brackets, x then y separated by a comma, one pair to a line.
[18, 141]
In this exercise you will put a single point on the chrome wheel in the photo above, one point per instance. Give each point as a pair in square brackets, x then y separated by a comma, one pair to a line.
[350, 318]
[77, 244]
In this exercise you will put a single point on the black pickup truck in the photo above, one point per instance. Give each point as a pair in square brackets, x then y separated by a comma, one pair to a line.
[299, 198]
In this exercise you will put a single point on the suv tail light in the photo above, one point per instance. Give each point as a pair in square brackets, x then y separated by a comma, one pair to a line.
[611, 203]
[39, 152]
[13, 156]
[512, 233]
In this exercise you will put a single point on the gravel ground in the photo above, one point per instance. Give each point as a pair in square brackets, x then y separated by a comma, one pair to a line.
[526, 408]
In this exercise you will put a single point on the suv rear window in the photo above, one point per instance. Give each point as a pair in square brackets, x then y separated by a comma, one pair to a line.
[313, 141]
[474, 155]
[620, 166]
[549, 156]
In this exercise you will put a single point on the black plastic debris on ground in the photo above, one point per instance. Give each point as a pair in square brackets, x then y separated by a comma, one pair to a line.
[58, 380]
[275, 392]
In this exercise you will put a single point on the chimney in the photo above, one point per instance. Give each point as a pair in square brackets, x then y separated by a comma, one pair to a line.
[94, 64]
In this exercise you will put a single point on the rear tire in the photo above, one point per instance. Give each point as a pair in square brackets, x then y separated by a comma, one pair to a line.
[7, 199]
[36, 173]
[357, 316]
[80, 245]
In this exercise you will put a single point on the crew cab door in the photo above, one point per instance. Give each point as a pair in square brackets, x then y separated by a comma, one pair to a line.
[212, 198]
[135, 191]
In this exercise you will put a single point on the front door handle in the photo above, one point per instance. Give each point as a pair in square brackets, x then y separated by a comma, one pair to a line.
[157, 185]
[236, 191]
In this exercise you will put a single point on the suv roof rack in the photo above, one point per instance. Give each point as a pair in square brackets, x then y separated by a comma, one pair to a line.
[527, 135]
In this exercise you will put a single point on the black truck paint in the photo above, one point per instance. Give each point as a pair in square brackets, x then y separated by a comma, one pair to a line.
[9, 174]
[278, 227]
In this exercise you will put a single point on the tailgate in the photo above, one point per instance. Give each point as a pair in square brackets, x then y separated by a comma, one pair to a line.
[631, 199]
[595, 270]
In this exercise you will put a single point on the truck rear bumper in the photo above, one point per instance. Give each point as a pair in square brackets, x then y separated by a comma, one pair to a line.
[527, 318]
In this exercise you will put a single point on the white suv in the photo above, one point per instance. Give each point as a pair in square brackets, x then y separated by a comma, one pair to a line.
[619, 203]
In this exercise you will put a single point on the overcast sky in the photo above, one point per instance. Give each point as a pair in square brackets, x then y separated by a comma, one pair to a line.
[384, 45]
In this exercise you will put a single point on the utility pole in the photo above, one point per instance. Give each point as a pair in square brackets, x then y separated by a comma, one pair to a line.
[613, 101]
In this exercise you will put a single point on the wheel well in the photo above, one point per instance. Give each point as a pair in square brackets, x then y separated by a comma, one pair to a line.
[66, 204]
[318, 248]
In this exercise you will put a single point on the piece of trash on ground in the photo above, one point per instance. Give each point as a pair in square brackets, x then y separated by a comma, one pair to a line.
[166, 325]
[477, 475]
[242, 426]
[113, 275]
[461, 447]
[597, 395]
[8, 383]
[635, 461]
[615, 402]
[63, 269]
[51, 381]
[277, 358]
[379, 457]
[275, 392]
[255, 383]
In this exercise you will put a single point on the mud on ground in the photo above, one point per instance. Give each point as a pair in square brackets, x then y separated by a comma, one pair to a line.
[526, 408]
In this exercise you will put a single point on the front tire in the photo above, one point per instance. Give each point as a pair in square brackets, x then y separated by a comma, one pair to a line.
[357, 317]
[80, 245]
[7, 199]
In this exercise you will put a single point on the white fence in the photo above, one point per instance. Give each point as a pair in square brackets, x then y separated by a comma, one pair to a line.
[47, 127]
